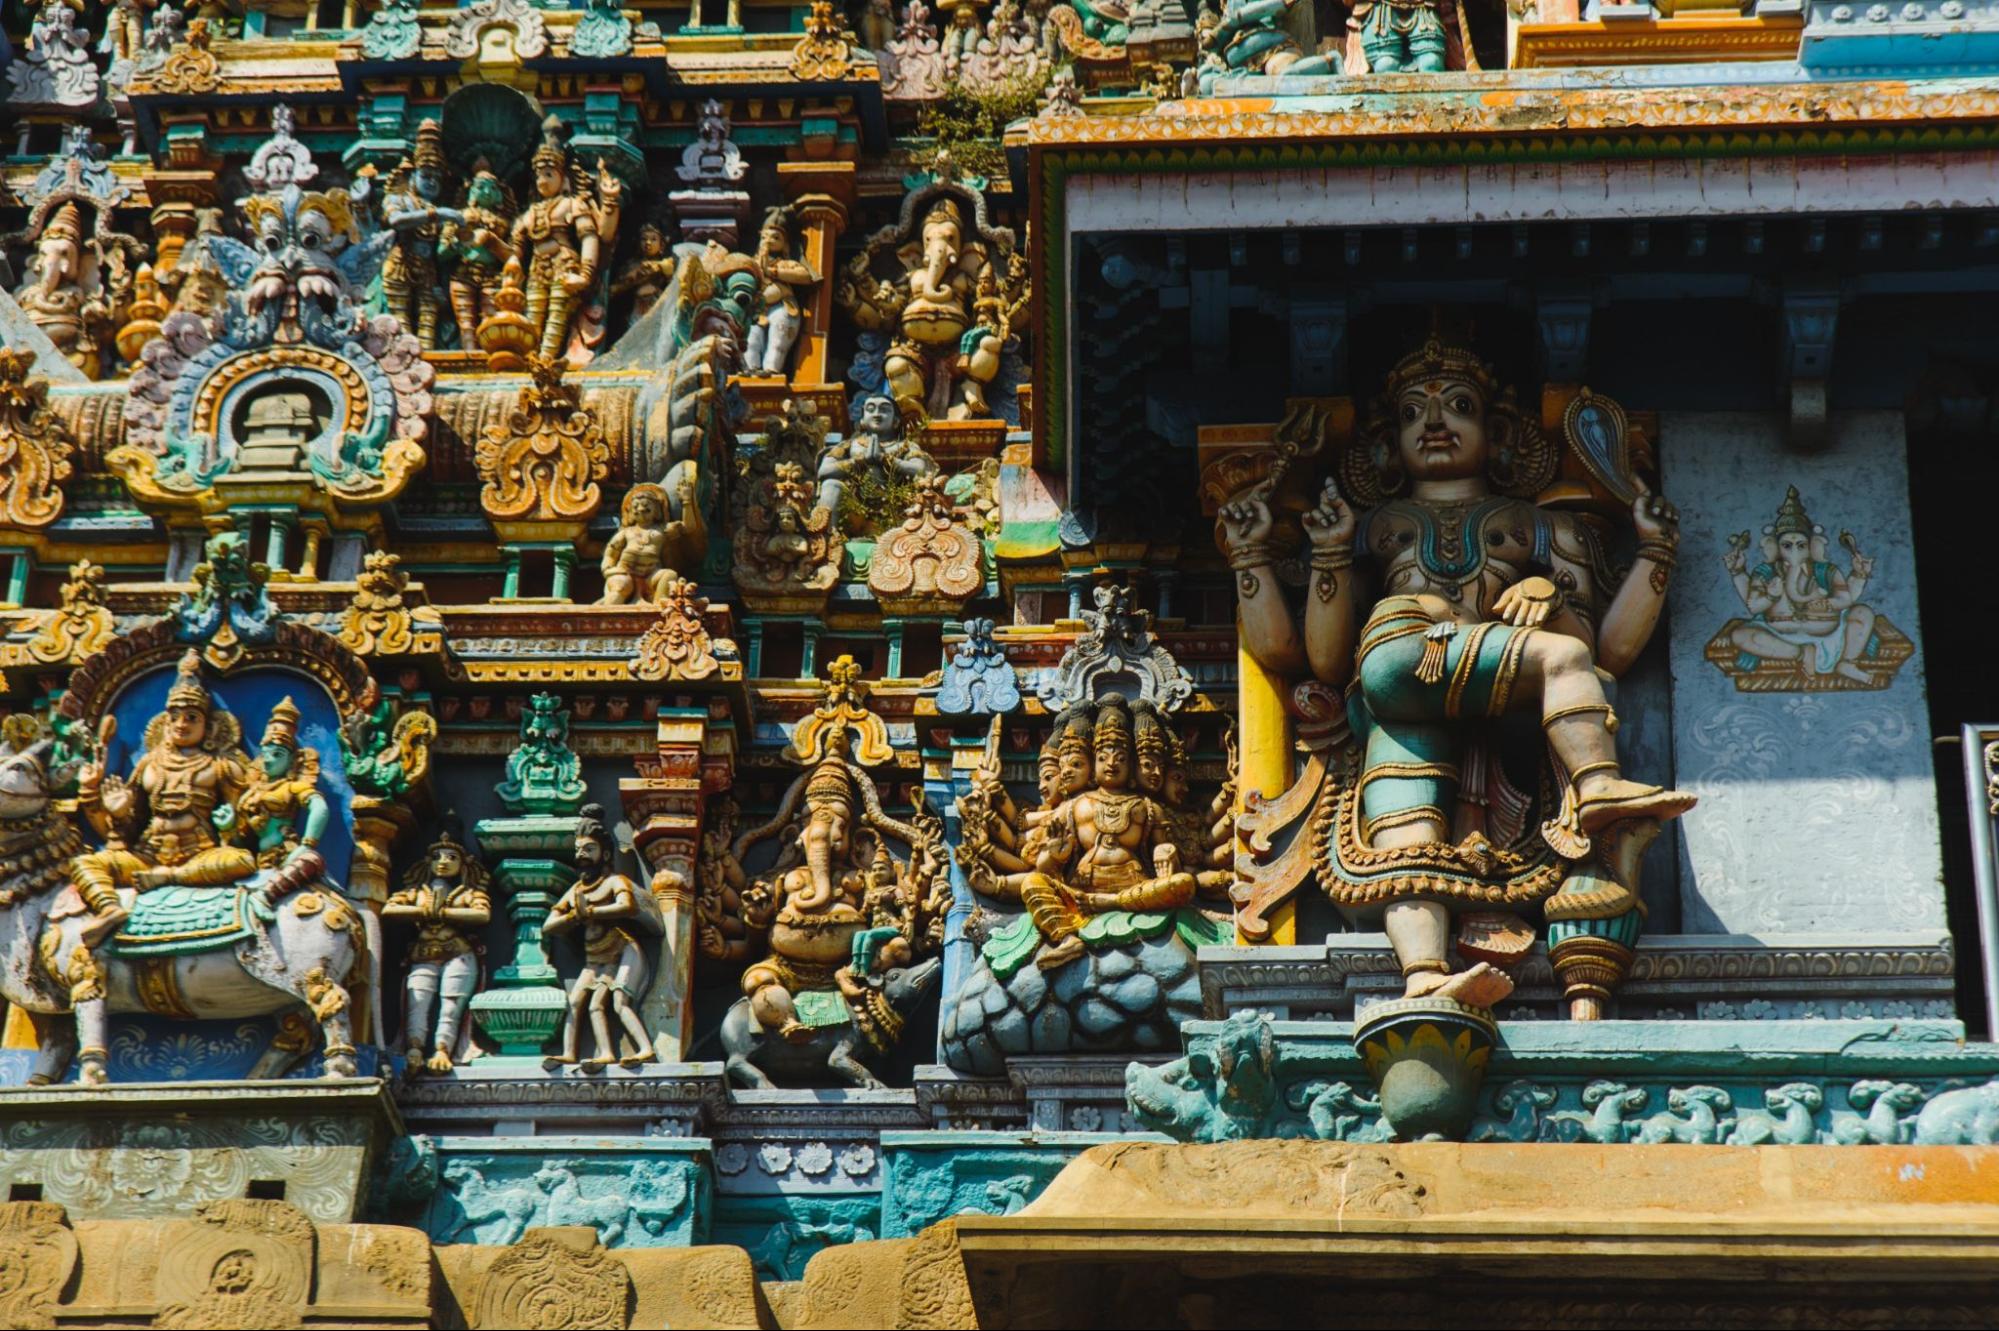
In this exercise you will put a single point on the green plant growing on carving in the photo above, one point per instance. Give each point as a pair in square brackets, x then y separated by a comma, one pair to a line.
[968, 123]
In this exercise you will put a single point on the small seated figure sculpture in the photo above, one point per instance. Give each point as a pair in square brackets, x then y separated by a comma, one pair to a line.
[282, 815]
[875, 451]
[612, 911]
[1803, 609]
[635, 568]
[444, 896]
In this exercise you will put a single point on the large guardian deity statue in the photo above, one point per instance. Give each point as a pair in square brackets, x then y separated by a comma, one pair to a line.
[1452, 604]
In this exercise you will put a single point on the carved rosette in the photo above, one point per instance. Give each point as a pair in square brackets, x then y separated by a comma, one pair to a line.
[542, 464]
[35, 447]
[81, 625]
[822, 55]
[931, 564]
[677, 646]
[552, 1278]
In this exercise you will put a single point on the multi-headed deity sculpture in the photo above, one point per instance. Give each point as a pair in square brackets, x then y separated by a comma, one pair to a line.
[941, 292]
[1453, 603]
[444, 897]
[1114, 830]
[567, 234]
[616, 917]
[833, 928]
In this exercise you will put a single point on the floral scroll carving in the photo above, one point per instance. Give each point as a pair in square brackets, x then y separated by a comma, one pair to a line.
[677, 646]
[35, 447]
[931, 563]
[542, 464]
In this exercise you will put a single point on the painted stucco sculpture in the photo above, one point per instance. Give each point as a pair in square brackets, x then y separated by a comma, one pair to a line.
[1466, 629]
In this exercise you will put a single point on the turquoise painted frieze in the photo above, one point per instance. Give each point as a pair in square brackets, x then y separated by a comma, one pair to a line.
[932, 1176]
[782, 1233]
[635, 1192]
[1777, 1082]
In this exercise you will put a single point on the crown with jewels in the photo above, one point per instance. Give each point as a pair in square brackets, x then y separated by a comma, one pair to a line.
[1438, 359]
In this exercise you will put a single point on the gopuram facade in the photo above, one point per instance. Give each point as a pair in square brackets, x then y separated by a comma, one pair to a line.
[1189, 663]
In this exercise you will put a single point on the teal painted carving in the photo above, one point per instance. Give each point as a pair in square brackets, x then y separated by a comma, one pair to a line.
[405, 1178]
[922, 1188]
[602, 32]
[781, 1233]
[1254, 37]
[543, 775]
[1247, 1077]
[228, 595]
[383, 754]
[632, 1199]
[392, 32]
[978, 681]
[188, 462]
[1224, 1089]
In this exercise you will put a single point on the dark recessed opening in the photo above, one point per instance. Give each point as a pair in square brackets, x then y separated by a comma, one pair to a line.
[24, 1192]
[265, 1190]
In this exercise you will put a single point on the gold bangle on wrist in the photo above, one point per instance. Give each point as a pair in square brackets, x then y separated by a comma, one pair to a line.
[1244, 558]
[1331, 561]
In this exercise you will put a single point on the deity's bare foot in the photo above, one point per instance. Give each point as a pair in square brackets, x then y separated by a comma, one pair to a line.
[103, 925]
[556, 1063]
[440, 1061]
[1854, 672]
[1615, 799]
[1481, 986]
[595, 1064]
[1061, 953]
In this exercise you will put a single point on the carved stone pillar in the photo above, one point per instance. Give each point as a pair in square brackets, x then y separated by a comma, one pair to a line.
[817, 190]
[665, 805]
[377, 824]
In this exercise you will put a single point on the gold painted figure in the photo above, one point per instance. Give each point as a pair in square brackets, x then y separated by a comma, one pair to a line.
[565, 235]
[281, 814]
[1479, 603]
[1112, 832]
[158, 825]
[646, 278]
[444, 896]
[777, 329]
[648, 552]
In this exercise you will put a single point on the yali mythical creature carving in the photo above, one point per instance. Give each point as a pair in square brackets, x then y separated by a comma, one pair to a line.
[939, 297]
[444, 897]
[567, 234]
[136, 925]
[1113, 835]
[835, 929]
[1452, 605]
[617, 918]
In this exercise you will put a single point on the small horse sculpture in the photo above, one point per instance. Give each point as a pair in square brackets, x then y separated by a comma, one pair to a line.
[308, 951]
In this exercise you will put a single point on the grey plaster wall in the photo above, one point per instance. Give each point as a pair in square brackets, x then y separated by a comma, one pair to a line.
[1817, 810]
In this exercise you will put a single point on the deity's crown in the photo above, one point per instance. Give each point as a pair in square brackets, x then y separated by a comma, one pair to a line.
[1113, 724]
[552, 152]
[188, 690]
[429, 153]
[68, 221]
[829, 782]
[1151, 734]
[1438, 359]
[283, 726]
[1791, 516]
